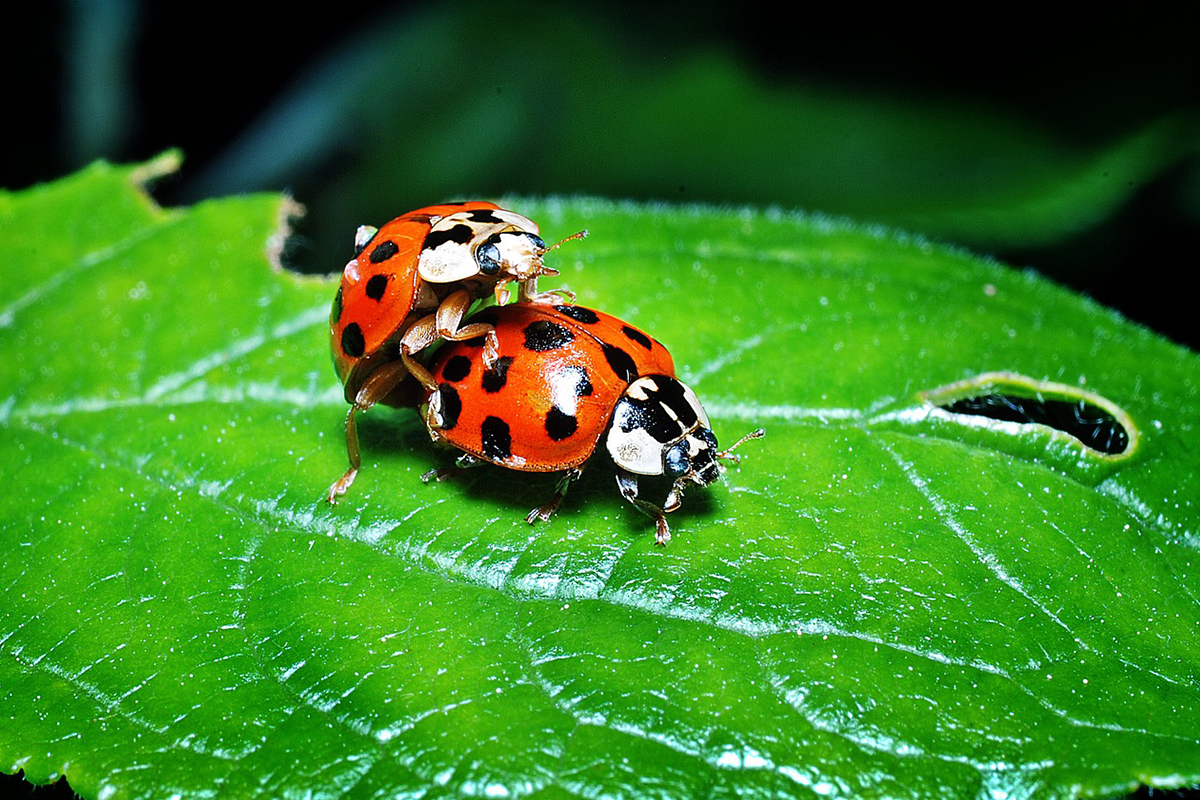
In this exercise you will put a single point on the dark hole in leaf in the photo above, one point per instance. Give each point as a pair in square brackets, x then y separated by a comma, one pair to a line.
[1090, 424]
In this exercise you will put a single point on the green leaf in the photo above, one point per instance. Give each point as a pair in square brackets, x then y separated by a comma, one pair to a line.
[888, 598]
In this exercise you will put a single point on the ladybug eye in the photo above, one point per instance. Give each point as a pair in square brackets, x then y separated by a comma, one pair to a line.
[537, 242]
[488, 258]
[676, 460]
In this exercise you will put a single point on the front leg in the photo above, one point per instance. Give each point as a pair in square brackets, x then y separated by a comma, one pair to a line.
[627, 483]
[530, 294]
[444, 324]
[450, 316]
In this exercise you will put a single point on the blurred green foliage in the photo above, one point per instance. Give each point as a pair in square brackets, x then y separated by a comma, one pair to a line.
[1070, 148]
[435, 105]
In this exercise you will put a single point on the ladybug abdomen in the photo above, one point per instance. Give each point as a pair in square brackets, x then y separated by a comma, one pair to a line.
[549, 398]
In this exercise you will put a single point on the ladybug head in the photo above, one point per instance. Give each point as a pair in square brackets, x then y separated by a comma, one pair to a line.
[659, 428]
[515, 252]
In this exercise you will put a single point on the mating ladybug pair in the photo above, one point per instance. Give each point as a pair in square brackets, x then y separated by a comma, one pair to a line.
[534, 385]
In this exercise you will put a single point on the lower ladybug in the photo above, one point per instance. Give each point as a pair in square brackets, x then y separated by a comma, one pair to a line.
[567, 377]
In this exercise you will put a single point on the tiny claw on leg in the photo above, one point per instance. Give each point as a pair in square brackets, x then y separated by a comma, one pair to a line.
[439, 474]
[627, 484]
[340, 486]
[542, 513]
[662, 533]
[491, 349]
[501, 292]
[546, 511]
[552, 297]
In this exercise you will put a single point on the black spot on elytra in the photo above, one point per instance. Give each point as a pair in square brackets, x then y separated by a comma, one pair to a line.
[353, 343]
[458, 234]
[497, 441]
[495, 378]
[384, 251]
[376, 286]
[485, 215]
[451, 405]
[635, 335]
[457, 368]
[335, 313]
[579, 314]
[621, 362]
[544, 335]
[560, 425]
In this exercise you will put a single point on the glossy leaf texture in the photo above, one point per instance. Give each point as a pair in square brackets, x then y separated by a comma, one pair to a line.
[883, 600]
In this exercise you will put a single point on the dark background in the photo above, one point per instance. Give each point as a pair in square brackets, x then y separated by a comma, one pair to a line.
[124, 81]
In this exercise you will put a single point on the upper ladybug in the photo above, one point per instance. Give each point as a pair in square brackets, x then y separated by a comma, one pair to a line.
[409, 284]
[566, 377]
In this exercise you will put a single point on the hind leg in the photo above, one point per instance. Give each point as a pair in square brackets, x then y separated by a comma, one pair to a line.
[378, 386]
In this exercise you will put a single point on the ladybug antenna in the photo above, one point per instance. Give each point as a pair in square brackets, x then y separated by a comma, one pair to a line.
[577, 235]
[728, 451]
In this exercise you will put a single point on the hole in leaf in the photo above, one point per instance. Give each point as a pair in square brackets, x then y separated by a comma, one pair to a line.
[1090, 424]
[1100, 425]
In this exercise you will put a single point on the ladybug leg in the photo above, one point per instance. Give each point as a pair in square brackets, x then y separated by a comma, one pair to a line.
[501, 292]
[444, 324]
[527, 293]
[450, 316]
[627, 483]
[461, 465]
[381, 382]
[425, 332]
[530, 294]
[675, 498]
[419, 335]
[544, 513]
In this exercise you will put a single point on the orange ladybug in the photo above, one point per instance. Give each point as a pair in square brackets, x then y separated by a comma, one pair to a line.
[567, 377]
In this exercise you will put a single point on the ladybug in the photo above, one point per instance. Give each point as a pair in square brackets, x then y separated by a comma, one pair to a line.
[409, 284]
[567, 377]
